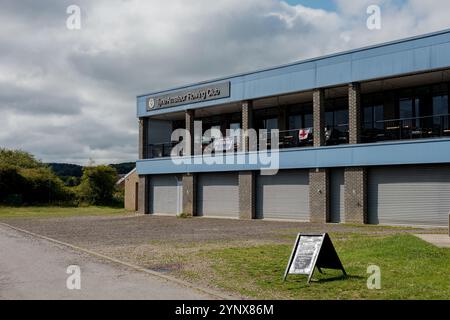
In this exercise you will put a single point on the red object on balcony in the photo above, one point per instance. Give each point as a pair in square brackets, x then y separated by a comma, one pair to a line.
[303, 134]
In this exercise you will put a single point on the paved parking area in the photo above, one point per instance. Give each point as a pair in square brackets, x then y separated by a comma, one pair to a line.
[439, 240]
[135, 229]
[175, 247]
[35, 268]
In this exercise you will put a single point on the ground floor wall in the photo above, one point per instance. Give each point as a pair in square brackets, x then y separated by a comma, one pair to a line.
[392, 195]
[131, 192]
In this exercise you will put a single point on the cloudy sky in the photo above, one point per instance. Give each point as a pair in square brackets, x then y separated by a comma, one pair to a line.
[69, 95]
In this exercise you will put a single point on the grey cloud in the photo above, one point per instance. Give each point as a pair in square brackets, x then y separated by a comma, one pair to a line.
[69, 96]
[32, 101]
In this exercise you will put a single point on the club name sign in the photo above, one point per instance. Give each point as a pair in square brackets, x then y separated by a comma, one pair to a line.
[206, 93]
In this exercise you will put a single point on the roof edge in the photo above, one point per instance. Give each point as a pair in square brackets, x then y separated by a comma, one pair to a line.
[341, 53]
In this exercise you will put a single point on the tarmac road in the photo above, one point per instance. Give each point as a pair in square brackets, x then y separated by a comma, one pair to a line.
[34, 268]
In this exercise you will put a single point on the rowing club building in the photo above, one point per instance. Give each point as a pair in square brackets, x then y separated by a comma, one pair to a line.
[361, 137]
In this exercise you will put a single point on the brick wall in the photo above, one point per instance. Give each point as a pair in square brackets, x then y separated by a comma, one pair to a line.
[143, 201]
[319, 187]
[189, 194]
[142, 144]
[189, 125]
[131, 194]
[247, 194]
[354, 113]
[247, 123]
[355, 195]
[319, 117]
[143, 180]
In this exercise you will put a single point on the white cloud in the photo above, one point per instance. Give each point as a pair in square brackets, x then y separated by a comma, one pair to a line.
[70, 95]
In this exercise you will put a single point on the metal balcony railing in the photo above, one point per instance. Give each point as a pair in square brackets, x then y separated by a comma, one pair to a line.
[408, 128]
[304, 137]
[393, 129]
[159, 150]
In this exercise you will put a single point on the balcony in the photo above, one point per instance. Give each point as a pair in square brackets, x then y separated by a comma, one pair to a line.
[296, 138]
[435, 126]
[159, 150]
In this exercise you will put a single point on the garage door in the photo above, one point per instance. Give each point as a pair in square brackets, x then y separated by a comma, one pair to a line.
[337, 195]
[409, 195]
[218, 195]
[165, 194]
[283, 196]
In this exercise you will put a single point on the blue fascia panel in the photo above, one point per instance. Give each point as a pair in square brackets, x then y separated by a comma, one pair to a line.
[375, 154]
[414, 55]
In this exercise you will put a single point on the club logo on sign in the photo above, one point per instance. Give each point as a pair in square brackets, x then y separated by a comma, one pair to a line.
[151, 103]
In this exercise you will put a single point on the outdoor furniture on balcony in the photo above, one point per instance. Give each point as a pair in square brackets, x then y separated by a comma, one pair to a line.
[409, 128]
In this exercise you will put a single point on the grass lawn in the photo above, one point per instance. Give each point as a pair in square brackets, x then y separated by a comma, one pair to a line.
[48, 212]
[252, 266]
[410, 269]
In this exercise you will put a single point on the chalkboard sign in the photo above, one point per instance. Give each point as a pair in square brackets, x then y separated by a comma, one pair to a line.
[310, 251]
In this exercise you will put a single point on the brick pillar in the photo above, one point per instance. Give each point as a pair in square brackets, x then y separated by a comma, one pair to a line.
[143, 138]
[143, 196]
[189, 194]
[247, 195]
[354, 113]
[143, 201]
[319, 186]
[282, 119]
[189, 118]
[319, 117]
[247, 123]
[356, 195]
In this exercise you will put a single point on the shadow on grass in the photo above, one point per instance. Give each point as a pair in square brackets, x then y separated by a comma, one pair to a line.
[337, 278]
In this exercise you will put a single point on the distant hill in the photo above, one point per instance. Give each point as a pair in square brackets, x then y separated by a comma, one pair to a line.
[124, 168]
[66, 169]
[74, 170]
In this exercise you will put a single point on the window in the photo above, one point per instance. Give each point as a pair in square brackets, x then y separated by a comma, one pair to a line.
[235, 125]
[373, 117]
[440, 105]
[340, 117]
[295, 122]
[440, 109]
[378, 117]
[271, 123]
[300, 116]
[266, 119]
[412, 113]
[406, 108]
[368, 118]
[309, 120]
[329, 119]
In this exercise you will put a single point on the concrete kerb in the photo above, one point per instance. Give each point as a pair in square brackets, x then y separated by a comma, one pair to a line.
[212, 293]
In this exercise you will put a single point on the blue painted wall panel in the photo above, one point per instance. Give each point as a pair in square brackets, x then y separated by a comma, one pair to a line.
[402, 57]
[440, 55]
[336, 73]
[378, 154]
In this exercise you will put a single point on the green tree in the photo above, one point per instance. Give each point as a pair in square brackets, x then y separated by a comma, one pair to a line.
[11, 185]
[98, 185]
[19, 158]
[43, 186]
[23, 179]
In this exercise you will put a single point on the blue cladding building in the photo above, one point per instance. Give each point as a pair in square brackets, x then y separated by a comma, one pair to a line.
[364, 137]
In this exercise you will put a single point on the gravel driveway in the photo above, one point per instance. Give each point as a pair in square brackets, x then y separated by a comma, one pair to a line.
[175, 246]
[92, 231]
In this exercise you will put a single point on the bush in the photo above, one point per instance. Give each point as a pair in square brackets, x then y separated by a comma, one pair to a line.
[25, 180]
[19, 159]
[11, 183]
[43, 186]
[98, 185]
